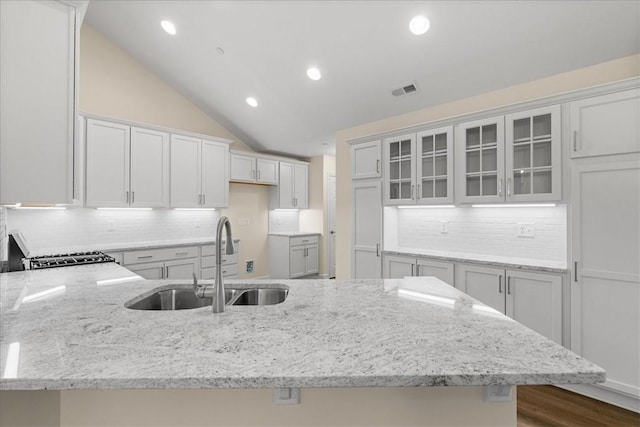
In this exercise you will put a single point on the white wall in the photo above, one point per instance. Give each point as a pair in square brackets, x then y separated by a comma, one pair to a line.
[481, 231]
[88, 228]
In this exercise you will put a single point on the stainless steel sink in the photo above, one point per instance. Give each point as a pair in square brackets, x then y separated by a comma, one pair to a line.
[182, 297]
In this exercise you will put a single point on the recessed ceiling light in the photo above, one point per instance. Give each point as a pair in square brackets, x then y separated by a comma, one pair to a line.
[168, 27]
[419, 25]
[314, 73]
[252, 101]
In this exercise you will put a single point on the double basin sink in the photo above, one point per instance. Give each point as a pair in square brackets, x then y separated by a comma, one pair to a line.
[181, 297]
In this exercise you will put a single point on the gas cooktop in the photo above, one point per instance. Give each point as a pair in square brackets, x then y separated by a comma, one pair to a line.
[66, 260]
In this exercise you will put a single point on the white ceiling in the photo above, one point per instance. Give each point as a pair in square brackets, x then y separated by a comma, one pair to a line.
[364, 50]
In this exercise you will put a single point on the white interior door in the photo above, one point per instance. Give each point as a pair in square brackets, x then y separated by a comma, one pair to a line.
[331, 220]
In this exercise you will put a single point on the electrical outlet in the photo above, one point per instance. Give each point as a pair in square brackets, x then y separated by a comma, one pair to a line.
[525, 229]
[244, 222]
[111, 225]
[444, 227]
[249, 268]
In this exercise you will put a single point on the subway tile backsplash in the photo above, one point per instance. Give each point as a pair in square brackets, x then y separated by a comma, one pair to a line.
[483, 231]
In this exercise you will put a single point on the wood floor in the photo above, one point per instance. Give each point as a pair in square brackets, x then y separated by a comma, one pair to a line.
[552, 406]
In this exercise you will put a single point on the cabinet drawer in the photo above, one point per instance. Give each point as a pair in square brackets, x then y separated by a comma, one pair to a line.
[210, 250]
[230, 270]
[163, 254]
[227, 271]
[303, 240]
[210, 261]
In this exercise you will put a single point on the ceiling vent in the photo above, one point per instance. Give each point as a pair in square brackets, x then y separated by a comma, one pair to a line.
[405, 90]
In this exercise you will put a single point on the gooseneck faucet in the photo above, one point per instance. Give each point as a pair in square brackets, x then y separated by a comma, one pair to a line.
[218, 286]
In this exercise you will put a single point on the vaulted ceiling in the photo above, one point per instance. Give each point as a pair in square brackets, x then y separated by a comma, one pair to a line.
[226, 51]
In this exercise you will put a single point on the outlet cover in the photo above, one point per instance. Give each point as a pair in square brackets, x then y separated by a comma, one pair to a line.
[111, 225]
[243, 221]
[249, 268]
[444, 227]
[525, 229]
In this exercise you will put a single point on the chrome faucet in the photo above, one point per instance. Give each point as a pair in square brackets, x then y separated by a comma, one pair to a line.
[218, 286]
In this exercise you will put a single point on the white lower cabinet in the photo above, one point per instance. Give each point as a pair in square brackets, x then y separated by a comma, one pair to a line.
[292, 257]
[164, 263]
[533, 299]
[397, 267]
[208, 263]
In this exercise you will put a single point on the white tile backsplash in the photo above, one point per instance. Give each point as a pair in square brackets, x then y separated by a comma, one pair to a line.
[283, 221]
[486, 231]
[44, 229]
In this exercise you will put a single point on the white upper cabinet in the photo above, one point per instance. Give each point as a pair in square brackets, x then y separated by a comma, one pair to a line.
[533, 150]
[366, 160]
[606, 124]
[38, 81]
[292, 191]
[199, 173]
[126, 166]
[419, 168]
[515, 158]
[246, 167]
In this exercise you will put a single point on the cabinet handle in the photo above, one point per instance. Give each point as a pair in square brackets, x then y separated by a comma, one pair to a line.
[419, 191]
[412, 266]
[418, 270]
[253, 173]
[199, 199]
[127, 192]
[500, 187]
[258, 173]
[575, 140]
[295, 201]
[133, 197]
[182, 253]
[508, 187]
[145, 256]
[500, 284]
[413, 192]
[508, 284]
[204, 199]
[167, 276]
[162, 272]
[378, 166]
[378, 249]
[575, 271]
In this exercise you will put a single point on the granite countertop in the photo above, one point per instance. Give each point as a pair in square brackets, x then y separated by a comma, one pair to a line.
[126, 246]
[489, 260]
[294, 233]
[75, 333]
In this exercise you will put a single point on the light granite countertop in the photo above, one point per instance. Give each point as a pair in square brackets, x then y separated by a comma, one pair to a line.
[74, 332]
[294, 233]
[557, 267]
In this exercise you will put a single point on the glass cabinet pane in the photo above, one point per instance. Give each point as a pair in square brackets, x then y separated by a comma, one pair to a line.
[473, 137]
[427, 166]
[489, 160]
[441, 165]
[440, 188]
[427, 188]
[473, 186]
[542, 125]
[406, 148]
[405, 169]
[441, 142]
[542, 182]
[522, 156]
[394, 170]
[489, 134]
[473, 161]
[522, 129]
[521, 182]
[394, 150]
[394, 190]
[427, 144]
[405, 190]
[542, 154]
[489, 185]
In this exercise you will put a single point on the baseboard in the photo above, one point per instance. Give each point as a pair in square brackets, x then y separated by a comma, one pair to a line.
[605, 395]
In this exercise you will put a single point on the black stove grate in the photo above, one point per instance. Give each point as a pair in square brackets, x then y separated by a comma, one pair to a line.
[67, 260]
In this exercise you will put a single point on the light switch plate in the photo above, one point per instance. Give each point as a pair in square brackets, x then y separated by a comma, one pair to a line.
[444, 227]
[525, 229]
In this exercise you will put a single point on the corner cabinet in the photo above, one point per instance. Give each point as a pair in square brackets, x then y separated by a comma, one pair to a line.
[293, 190]
[251, 169]
[126, 166]
[419, 168]
[38, 107]
[199, 173]
[292, 257]
[515, 158]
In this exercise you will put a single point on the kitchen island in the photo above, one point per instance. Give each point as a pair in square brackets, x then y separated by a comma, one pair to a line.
[415, 349]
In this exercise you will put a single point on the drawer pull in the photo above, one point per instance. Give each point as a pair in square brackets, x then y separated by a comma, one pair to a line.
[305, 241]
[145, 256]
[182, 253]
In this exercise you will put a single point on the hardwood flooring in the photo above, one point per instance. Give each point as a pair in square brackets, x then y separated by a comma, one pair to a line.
[552, 406]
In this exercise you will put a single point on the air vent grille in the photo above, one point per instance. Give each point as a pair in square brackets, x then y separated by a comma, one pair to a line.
[405, 90]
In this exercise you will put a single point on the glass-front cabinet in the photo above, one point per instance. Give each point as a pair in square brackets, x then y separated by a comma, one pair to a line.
[419, 167]
[515, 158]
[533, 155]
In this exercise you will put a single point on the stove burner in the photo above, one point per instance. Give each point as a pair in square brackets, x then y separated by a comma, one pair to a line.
[65, 260]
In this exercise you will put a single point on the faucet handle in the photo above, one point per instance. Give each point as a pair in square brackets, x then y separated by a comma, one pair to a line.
[197, 289]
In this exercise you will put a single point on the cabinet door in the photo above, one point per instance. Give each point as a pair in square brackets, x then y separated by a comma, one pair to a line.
[606, 124]
[312, 261]
[107, 164]
[149, 271]
[605, 288]
[37, 106]
[285, 187]
[441, 269]
[215, 176]
[365, 160]
[243, 167]
[434, 166]
[399, 176]
[480, 161]
[296, 261]
[267, 171]
[397, 267]
[532, 155]
[185, 172]
[366, 228]
[535, 300]
[485, 284]
[182, 269]
[149, 168]
[301, 186]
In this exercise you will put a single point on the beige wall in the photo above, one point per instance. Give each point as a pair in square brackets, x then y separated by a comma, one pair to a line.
[114, 84]
[315, 218]
[578, 79]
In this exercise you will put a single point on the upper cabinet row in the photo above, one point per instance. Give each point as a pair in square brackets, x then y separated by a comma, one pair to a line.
[512, 158]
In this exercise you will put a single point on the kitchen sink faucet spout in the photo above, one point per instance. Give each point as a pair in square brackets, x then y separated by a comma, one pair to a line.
[218, 286]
